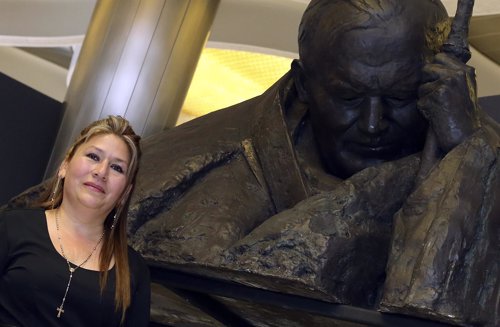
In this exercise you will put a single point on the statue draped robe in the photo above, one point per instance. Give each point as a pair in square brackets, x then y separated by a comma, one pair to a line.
[239, 194]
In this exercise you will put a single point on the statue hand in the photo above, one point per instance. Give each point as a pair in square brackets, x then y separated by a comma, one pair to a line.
[447, 98]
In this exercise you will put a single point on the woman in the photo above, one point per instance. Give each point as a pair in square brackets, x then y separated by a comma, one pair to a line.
[68, 263]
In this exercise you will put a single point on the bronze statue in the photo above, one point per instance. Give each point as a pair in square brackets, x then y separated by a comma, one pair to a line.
[367, 175]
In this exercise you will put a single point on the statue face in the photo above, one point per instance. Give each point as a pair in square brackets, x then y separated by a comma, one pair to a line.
[362, 96]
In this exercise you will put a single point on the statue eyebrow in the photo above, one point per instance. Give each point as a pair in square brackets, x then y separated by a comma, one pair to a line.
[405, 83]
[340, 83]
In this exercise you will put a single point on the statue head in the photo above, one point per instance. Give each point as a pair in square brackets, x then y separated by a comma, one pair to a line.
[359, 73]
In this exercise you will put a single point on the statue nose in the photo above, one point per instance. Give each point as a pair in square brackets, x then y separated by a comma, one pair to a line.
[372, 119]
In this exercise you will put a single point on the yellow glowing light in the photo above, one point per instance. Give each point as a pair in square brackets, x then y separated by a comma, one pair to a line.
[227, 77]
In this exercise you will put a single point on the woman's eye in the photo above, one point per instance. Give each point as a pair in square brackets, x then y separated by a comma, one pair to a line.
[117, 168]
[93, 156]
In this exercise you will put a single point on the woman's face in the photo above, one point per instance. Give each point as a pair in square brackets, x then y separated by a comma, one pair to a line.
[96, 176]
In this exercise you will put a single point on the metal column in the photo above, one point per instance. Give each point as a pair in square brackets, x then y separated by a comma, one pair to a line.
[137, 61]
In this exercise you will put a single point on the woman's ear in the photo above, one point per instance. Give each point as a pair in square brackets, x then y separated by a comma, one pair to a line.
[61, 172]
[299, 80]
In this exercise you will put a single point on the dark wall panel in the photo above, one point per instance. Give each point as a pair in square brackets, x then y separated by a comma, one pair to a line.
[29, 121]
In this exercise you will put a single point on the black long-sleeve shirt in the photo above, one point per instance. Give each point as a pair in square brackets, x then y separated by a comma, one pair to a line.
[34, 276]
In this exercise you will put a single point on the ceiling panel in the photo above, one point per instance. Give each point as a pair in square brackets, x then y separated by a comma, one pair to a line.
[484, 35]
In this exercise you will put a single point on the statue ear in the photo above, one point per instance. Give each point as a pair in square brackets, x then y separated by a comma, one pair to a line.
[299, 80]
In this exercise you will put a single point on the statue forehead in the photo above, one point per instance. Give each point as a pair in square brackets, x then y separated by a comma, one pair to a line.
[376, 45]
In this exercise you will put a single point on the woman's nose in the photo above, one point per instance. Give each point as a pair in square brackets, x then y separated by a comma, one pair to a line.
[100, 171]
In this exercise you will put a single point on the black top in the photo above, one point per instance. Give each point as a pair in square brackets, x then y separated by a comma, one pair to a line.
[34, 278]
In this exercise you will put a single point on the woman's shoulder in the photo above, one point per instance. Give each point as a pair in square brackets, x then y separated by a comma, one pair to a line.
[22, 221]
[21, 213]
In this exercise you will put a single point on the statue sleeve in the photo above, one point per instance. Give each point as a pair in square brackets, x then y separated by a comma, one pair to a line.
[444, 259]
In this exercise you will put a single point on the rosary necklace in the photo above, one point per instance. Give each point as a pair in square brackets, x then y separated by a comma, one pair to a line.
[60, 309]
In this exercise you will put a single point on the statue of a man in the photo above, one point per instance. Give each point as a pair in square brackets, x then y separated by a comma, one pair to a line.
[367, 175]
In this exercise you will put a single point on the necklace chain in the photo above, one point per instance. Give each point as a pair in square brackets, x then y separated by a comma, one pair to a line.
[60, 309]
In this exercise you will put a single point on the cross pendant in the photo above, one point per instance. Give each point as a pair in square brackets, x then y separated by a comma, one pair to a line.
[60, 311]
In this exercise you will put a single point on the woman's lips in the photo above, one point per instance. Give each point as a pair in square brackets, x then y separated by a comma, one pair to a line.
[95, 186]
